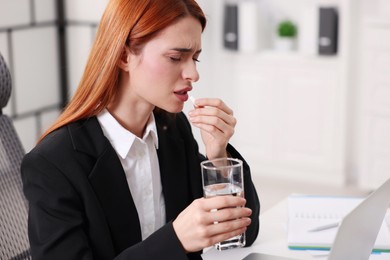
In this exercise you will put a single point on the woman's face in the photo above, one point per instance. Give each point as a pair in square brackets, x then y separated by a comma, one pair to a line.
[163, 73]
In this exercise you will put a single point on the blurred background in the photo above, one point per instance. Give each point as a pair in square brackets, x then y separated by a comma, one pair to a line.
[309, 80]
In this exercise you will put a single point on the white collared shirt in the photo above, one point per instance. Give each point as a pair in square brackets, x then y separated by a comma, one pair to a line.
[140, 163]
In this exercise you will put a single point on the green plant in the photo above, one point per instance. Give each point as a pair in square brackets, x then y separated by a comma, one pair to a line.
[287, 28]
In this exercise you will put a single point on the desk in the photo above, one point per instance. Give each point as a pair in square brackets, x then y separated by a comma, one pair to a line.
[272, 240]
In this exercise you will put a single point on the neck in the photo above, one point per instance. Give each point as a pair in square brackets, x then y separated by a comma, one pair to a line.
[132, 119]
[129, 109]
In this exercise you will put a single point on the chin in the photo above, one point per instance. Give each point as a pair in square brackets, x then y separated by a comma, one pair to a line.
[173, 109]
[176, 108]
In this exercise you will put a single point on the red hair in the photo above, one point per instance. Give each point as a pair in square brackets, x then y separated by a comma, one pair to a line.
[130, 23]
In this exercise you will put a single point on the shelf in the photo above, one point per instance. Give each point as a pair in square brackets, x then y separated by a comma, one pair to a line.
[273, 56]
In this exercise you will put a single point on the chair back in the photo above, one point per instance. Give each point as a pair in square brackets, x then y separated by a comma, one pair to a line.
[14, 242]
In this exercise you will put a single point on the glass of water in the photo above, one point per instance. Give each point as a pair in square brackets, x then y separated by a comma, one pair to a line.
[223, 177]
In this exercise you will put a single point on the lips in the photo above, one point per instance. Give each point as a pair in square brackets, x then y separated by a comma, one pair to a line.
[182, 94]
[183, 91]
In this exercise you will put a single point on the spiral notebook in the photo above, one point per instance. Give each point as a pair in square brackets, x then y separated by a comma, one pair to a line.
[306, 213]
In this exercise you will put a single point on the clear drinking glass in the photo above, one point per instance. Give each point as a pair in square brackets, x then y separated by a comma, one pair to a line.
[223, 177]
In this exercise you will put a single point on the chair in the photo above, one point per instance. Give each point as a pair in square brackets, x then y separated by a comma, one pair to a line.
[14, 242]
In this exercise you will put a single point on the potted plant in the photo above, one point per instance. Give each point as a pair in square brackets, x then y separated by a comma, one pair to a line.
[286, 34]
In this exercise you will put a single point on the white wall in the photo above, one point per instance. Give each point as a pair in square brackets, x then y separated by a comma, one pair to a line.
[28, 44]
[289, 106]
[354, 143]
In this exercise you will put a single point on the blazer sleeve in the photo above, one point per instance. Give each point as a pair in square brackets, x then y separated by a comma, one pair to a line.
[162, 244]
[57, 228]
[55, 212]
[252, 199]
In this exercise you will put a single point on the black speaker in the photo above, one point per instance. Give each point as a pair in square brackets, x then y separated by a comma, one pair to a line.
[230, 27]
[328, 31]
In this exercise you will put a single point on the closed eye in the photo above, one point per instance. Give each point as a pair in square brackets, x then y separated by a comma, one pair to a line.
[175, 59]
[185, 51]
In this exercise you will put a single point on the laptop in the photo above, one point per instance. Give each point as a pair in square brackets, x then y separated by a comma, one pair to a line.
[358, 230]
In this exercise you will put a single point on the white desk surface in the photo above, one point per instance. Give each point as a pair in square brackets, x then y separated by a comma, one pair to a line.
[272, 240]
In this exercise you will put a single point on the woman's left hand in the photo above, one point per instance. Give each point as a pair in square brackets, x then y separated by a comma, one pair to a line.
[216, 122]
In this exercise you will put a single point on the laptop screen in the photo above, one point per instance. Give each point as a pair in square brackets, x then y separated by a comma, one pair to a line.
[359, 229]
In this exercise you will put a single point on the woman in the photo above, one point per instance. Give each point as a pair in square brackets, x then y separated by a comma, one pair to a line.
[118, 175]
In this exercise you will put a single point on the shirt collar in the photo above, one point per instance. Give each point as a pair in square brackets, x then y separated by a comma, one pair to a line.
[151, 129]
[121, 138]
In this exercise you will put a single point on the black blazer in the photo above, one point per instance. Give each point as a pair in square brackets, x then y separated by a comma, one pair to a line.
[80, 206]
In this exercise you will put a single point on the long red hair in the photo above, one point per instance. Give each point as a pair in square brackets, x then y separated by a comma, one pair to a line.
[129, 23]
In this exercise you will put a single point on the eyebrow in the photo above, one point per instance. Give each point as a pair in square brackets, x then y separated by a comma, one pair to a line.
[185, 50]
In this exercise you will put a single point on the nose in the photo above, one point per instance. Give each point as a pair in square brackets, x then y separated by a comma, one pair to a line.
[190, 72]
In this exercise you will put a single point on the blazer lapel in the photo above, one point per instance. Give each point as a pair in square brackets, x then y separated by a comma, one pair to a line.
[173, 170]
[109, 183]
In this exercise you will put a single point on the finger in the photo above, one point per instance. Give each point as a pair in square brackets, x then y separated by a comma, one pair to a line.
[201, 114]
[222, 231]
[227, 214]
[213, 123]
[214, 102]
[220, 202]
[217, 133]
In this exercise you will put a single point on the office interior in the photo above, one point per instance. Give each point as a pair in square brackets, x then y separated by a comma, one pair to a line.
[307, 122]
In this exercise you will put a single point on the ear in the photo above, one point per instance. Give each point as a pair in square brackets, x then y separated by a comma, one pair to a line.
[124, 59]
